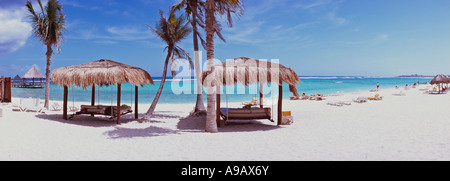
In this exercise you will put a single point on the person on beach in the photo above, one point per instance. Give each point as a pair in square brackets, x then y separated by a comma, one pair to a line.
[378, 85]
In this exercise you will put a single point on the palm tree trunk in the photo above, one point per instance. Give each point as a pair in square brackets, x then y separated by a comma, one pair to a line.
[199, 105]
[211, 125]
[47, 75]
[150, 111]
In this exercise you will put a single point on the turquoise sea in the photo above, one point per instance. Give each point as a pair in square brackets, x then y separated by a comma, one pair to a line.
[183, 91]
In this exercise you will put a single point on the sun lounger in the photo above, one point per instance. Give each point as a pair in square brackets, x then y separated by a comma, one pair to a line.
[376, 97]
[251, 103]
[299, 98]
[56, 107]
[401, 93]
[360, 100]
[30, 105]
[338, 103]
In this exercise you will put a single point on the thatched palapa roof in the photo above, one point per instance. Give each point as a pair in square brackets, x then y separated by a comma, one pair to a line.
[246, 71]
[440, 79]
[101, 72]
[33, 73]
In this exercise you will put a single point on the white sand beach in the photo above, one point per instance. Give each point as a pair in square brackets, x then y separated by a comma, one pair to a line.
[411, 127]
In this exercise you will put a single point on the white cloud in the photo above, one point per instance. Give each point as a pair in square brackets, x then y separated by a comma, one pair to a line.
[313, 4]
[14, 32]
[383, 37]
[340, 21]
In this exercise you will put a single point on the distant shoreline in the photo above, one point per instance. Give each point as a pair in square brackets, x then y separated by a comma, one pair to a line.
[416, 76]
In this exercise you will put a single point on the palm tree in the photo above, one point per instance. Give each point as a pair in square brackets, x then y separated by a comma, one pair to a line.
[171, 30]
[211, 125]
[48, 26]
[194, 11]
[192, 7]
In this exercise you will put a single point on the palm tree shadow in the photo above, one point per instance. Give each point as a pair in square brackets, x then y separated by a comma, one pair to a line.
[151, 131]
[192, 123]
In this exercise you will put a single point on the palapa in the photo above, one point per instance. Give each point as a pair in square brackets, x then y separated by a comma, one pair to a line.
[33, 73]
[440, 79]
[101, 72]
[247, 71]
[17, 77]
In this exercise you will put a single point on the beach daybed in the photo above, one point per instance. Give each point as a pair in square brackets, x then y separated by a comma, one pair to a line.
[103, 110]
[245, 113]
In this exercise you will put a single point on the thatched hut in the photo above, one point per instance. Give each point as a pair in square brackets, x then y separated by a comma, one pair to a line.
[102, 73]
[247, 71]
[33, 74]
[440, 79]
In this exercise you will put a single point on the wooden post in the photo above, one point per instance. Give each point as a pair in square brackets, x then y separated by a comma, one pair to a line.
[66, 92]
[118, 103]
[136, 113]
[7, 90]
[93, 97]
[261, 95]
[280, 102]
[218, 104]
[3, 89]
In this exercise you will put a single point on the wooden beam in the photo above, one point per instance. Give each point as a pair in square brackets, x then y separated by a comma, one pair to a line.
[66, 92]
[218, 105]
[93, 97]
[280, 102]
[136, 113]
[118, 103]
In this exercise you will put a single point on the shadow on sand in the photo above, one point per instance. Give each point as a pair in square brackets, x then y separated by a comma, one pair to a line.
[151, 131]
[86, 120]
[197, 124]
[190, 123]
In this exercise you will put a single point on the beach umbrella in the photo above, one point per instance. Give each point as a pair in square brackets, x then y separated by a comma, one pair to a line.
[440, 79]
[247, 71]
[103, 73]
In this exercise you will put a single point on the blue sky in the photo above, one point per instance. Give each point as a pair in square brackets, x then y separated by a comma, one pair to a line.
[313, 37]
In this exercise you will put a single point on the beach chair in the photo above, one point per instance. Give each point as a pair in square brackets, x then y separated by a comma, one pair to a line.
[337, 103]
[56, 107]
[346, 102]
[376, 97]
[305, 97]
[360, 100]
[401, 93]
[31, 105]
[251, 103]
